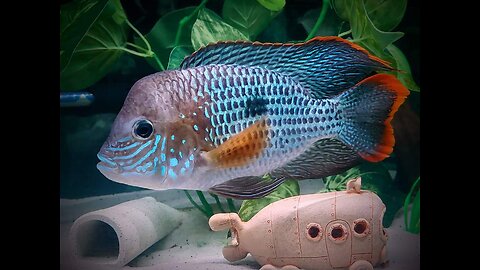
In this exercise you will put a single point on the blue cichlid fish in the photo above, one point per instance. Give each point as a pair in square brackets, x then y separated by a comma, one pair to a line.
[235, 111]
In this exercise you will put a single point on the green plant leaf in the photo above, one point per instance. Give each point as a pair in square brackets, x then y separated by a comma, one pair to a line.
[386, 14]
[93, 35]
[376, 178]
[331, 25]
[177, 55]
[276, 30]
[364, 32]
[162, 35]
[414, 226]
[209, 28]
[248, 16]
[404, 75]
[249, 208]
[273, 5]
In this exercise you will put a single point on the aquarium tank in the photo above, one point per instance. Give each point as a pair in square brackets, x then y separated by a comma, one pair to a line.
[107, 46]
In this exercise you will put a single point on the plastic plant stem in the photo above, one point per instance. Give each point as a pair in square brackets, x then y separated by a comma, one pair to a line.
[207, 206]
[149, 51]
[231, 206]
[185, 20]
[218, 202]
[195, 204]
[345, 33]
[320, 19]
[407, 202]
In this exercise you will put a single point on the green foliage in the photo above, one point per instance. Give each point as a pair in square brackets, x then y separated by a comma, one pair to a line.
[376, 178]
[177, 55]
[331, 25]
[209, 28]
[401, 63]
[273, 5]
[251, 207]
[386, 14]
[248, 16]
[162, 37]
[92, 39]
[414, 225]
[370, 21]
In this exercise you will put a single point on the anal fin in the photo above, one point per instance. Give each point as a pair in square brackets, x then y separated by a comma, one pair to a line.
[249, 187]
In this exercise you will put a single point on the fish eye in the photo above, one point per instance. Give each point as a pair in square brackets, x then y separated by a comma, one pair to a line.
[142, 129]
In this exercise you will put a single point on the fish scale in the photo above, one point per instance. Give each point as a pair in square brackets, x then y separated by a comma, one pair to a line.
[288, 127]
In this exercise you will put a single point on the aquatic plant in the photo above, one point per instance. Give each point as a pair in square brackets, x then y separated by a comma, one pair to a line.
[95, 34]
[413, 197]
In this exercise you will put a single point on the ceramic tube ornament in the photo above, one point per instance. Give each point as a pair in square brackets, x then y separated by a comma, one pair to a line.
[341, 229]
[116, 235]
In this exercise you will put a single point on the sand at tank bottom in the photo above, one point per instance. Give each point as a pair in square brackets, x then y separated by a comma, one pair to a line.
[194, 246]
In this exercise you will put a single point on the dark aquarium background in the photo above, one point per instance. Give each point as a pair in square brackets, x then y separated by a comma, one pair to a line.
[84, 129]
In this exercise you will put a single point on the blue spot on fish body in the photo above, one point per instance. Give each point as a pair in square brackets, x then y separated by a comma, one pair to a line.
[191, 157]
[173, 162]
[182, 170]
[187, 164]
[195, 127]
[163, 170]
[172, 150]
[172, 174]
[184, 141]
[172, 137]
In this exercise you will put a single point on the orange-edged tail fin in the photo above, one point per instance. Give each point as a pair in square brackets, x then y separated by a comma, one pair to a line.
[368, 109]
[241, 148]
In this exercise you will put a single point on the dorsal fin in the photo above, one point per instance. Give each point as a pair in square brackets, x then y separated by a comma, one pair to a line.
[325, 66]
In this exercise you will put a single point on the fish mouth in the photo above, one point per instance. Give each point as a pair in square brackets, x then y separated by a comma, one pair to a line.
[107, 165]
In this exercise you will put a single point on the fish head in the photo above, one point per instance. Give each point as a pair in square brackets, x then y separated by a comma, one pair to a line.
[149, 145]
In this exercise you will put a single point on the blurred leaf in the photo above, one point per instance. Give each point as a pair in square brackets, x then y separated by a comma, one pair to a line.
[162, 35]
[177, 55]
[273, 5]
[250, 208]
[210, 28]
[276, 30]
[376, 178]
[248, 16]
[405, 75]
[331, 25]
[364, 31]
[386, 14]
[92, 36]
[414, 225]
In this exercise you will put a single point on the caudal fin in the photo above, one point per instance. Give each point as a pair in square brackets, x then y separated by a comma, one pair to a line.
[367, 108]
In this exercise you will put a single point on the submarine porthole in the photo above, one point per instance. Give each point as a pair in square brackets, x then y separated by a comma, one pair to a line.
[361, 227]
[338, 233]
[314, 232]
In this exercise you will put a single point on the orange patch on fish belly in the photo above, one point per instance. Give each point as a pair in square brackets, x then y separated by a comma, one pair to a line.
[241, 148]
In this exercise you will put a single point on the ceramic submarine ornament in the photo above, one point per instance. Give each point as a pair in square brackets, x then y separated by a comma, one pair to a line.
[341, 229]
